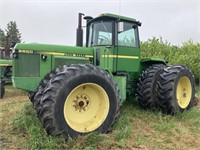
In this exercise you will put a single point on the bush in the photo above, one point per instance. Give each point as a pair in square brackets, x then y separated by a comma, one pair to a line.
[188, 53]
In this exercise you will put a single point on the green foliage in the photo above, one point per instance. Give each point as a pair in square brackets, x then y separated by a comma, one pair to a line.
[155, 48]
[11, 33]
[2, 38]
[187, 54]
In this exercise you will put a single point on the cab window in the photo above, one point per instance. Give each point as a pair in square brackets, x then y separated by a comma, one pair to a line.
[100, 33]
[127, 34]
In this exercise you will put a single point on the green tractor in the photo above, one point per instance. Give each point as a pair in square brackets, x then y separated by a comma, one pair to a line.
[76, 90]
[5, 73]
[5, 68]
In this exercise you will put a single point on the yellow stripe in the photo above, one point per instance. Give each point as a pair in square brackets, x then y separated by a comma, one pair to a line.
[61, 54]
[110, 56]
[88, 56]
[121, 56]
[52, 53]
[5, 65]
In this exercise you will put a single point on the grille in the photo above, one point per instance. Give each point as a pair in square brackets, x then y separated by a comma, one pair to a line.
[27, 65]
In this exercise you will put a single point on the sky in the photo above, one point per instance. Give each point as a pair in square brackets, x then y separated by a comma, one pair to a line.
[55, 21]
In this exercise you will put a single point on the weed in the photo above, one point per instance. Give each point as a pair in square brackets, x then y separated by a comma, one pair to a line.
[140, 140]
[29, 126]
[122, 126]
[164, 124]
[197, 90]
[123, 134]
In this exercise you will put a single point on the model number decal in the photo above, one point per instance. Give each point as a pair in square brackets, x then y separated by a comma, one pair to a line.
[26, 51]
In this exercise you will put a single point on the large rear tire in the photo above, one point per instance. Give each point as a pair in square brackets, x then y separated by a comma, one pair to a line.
[147, 86]
[2, 89]
[41, 87]
[79, 100]
[176, 89]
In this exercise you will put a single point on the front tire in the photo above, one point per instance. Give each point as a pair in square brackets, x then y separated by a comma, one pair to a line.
[79, 100]
[176, 89]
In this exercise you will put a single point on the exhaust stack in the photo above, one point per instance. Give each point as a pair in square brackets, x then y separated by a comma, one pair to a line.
[79, 31]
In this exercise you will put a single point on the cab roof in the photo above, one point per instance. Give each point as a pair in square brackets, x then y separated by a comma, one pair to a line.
[114, 16]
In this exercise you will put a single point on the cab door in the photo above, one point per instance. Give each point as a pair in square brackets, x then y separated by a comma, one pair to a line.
[127, 52]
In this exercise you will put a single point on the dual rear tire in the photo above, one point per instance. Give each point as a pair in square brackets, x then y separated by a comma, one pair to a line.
[147, 86]
[171, 88]
[176, 89]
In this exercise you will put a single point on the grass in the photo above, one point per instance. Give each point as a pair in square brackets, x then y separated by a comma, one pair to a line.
[28, 125]
[134, 129]
[198, 91]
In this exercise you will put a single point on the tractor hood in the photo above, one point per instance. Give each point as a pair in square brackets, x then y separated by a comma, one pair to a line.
[52, 49]
[33, 61]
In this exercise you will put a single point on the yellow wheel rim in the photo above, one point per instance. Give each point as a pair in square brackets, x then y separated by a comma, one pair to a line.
[86, 107]
[184, 92]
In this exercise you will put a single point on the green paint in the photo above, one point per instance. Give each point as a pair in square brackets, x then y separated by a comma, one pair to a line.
[114, 16]
[145, 62]
[63, 60]
[26, 83]
[121, 83]
[4, 62]
[45, 65]
[51, 48]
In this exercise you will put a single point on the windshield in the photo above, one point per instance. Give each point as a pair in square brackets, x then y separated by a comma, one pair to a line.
[100, 33]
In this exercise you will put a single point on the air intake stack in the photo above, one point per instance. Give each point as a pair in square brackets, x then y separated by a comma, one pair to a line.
[79, 31]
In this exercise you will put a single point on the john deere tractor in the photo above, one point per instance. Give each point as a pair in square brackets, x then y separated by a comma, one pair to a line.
[5, 66]
[76, 90]
[5, 74]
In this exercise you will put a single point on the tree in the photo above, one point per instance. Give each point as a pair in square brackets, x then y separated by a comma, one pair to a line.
[2, 38]
[12, 32]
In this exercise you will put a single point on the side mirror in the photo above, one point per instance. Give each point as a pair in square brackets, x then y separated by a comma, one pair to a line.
[120, 27]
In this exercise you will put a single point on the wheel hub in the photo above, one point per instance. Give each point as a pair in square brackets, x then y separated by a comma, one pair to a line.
[86, 107]
[184, 92]
[81, 102]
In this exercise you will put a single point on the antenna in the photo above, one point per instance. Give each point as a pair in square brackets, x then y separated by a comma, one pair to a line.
[119, 7]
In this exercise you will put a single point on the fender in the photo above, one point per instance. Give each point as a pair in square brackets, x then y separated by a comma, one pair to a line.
[146, 62]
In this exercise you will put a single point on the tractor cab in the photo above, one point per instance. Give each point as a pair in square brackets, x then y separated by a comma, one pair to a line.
[115, 40]
[109, 29]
